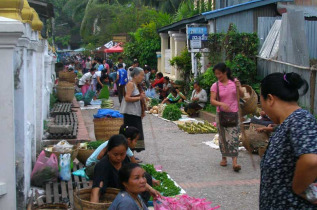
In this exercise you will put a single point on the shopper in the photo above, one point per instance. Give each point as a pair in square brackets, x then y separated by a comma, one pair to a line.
[224, 96]
[122, 80]
[133, 104]
[289, 165]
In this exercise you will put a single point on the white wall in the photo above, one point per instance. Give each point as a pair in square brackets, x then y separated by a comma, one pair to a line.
[25, 89]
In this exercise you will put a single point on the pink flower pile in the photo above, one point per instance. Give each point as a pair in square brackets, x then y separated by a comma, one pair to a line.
[183, 202]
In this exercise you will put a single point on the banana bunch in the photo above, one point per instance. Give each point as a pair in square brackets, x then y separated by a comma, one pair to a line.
[198, 128]
[107, 104]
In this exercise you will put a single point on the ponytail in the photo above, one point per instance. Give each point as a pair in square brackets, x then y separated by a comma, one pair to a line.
[224, 69]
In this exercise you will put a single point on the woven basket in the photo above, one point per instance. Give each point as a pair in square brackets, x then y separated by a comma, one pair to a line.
[84, 154]
[255, 140]
[65, 94]
[73, 154]
[65, 84]
[250, 105]
[67, 76]
[107, 127]
[53, 206]
[82, 199]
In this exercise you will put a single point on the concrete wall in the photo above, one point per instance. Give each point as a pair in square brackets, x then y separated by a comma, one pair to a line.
[26, 88]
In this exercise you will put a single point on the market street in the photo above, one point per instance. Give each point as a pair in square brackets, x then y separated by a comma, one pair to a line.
[194, 165]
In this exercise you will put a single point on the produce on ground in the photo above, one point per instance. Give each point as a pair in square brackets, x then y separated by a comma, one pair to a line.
[167, 187]
[196, 128]
[154, 110]
[107, 104]
[155, 102]
[172, 112]
[94, 144]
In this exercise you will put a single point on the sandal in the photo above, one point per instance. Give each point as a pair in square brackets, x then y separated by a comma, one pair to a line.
[223, 163]
[236, 168]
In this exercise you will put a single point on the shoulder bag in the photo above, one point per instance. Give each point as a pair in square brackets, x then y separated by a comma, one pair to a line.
[227, 119]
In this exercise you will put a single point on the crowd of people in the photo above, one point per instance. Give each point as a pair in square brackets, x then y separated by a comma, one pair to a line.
[288, 168]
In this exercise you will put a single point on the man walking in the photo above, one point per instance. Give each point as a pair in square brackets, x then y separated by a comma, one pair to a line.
[122, 80]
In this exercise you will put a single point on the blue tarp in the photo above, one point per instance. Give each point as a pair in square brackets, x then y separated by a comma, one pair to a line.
[102, 113]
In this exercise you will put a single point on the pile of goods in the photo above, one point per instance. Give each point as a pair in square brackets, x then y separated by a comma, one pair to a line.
[184, 202]
[172, 112]
[154, 110]
[154, 102]
[91, 145]
[167, 187]
[107, 104]
[198, 128]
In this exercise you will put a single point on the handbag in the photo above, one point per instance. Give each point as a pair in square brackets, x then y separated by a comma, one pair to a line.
[227, 119]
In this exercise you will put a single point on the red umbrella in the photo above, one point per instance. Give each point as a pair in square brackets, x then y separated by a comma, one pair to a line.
[115, 49]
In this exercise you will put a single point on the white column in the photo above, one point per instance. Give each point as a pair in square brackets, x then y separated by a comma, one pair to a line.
[172, 45]
[164, 46]
[10, 31]
[22, 153]
[180, 45]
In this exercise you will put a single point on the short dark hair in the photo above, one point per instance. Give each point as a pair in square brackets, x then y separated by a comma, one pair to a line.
[284, 86]
[160, 75]
[135, 61]
[120, 65]
[120, 58]
[117, 140]
[129, 131]
[197, 83]
[125, 173]
[167, 78]
[92, 69]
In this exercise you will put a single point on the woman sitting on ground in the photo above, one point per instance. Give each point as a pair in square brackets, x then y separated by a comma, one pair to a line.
[166, 88]
[174, 97]
[132, 135]
[106, 171]
[133, 183]
[198, 98]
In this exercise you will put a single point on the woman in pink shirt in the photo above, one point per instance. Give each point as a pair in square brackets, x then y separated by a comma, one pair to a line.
[227, 102]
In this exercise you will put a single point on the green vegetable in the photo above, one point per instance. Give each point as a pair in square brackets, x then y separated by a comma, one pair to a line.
[94, 144]
[107, 104]
[155, 102]
[167, 187]
[172, 112]
[195, 128]
[104, 93]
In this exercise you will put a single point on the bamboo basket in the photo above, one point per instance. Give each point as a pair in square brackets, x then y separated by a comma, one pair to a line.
[256, 140]
[251, 104]
[84, 154]
[73, 153]
[65, 93]
[82, 199]
[107, 127]
[67, 76]
[65, 84]
[52, 206]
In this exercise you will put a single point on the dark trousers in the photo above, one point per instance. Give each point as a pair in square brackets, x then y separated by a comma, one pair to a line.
[121, 90]
[192, 108]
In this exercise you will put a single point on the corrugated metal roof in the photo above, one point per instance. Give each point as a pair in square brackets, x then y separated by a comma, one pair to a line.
[309, 11]
[239, 8]
[182, 24]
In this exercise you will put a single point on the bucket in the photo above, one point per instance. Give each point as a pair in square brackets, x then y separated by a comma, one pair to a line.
[82, 199]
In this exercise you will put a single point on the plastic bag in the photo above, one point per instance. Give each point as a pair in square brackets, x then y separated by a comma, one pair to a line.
[151, 93]
[102, 113]
[79, 96]
[104, 93]
[64, 164]
[63, 147]
[88, 97]
[81, 172]
[45, 170]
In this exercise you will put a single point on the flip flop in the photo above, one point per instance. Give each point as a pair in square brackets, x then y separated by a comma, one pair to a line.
[236, 168]
[223, 163]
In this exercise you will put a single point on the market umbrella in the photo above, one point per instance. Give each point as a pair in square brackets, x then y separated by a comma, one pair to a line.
[115, 49]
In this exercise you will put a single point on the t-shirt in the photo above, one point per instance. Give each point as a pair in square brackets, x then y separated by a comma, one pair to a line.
[94, 77]
[228, 95]
[100, 67]
[106, 173]
[172, 98]
[123, 77]
[93, 157]
[296, 136]
[84, 78]
[106, 66]
[158, 82]
[169, 85]
[124, 201]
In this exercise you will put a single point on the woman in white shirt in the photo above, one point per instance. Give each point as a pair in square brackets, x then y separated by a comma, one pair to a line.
[198, 98]
[85, 81]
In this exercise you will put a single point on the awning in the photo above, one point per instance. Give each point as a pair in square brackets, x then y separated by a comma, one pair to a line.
[115, 49]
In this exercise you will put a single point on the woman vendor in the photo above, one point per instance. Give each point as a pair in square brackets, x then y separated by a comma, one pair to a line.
[132, 183]
[132, 136]
[289, 165]
[198, 98]
[174, 97]
[106, 171]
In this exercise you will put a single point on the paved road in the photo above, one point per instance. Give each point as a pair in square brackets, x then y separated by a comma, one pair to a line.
[195, 166]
